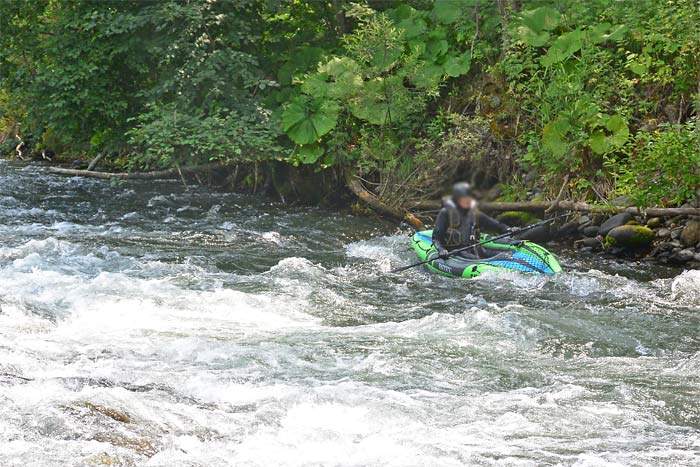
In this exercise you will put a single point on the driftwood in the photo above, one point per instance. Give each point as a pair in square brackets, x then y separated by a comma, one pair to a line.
[156, 174]
[566, 206]
[355, 185]
[97, 160]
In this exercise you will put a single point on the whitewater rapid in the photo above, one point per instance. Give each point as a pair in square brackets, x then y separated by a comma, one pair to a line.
[145, 325]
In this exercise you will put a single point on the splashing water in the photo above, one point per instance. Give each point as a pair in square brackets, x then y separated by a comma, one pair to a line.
[145, 325]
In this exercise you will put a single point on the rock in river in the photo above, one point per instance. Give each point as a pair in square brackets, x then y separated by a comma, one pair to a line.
[682, 256]
[591, 231]
[615, 221]
[629, 236]
[691, 233]
[654, 222]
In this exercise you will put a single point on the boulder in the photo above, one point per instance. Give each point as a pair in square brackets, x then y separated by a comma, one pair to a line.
[539, 234]
[592, 243]
[654, 222]
[629, 236]
[517, 218]
[690, 235]
[570, 229]
[682, 256]
[591, 231]
[615, 221]
[663, 233]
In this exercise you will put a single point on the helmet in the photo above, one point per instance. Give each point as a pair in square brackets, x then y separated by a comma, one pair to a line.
[461, 189]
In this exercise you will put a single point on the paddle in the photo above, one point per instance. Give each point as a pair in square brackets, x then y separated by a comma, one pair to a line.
[458, 250]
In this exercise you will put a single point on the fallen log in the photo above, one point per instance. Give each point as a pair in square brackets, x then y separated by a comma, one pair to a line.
[541, 206]
[97, 160]
[156, 174]
[356, 187]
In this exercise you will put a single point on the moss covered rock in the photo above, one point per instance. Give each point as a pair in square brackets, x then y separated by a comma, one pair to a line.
[615, 221]
[629, 236]
[517, 218]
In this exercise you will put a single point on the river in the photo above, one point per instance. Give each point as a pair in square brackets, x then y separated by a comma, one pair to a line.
[143, 324]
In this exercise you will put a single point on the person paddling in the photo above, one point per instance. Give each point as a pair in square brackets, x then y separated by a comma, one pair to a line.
[458, 224]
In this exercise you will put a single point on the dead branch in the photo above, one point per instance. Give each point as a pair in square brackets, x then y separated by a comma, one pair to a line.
[356, 187]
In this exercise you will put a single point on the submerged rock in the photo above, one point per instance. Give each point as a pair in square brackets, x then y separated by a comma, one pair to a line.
[615, 221]
[690, 235]
[629, 236]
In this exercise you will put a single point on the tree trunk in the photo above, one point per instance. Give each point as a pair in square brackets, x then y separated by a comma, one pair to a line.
[339, 18]
[503, 15]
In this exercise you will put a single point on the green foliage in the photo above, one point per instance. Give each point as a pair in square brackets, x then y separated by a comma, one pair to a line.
[306, 119]
[662, 167]
[165, 137]
[391, 66]
[412, 93]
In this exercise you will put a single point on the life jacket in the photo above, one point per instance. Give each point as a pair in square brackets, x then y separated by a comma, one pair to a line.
[463, 228]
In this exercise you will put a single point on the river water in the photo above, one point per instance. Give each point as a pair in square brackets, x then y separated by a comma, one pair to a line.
[143, 324]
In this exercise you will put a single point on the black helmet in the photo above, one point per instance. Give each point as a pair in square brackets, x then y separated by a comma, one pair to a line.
[461, 189]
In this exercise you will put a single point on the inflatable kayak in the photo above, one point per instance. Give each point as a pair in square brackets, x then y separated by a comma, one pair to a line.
[507, 254]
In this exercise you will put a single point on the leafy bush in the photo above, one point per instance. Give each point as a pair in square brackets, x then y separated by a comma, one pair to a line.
[166, 137]
[662, 167]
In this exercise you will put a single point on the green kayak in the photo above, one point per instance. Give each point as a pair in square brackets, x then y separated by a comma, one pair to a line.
[507, 254]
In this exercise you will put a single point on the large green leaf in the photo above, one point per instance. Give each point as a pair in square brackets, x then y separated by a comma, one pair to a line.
[457, 65]
[619, 129]
[598, 142]
[602, 143]
[564, 47]
[316, 85]
[541, 19]
[309, 154]
[554, 136]
[427, 76]
[606, 32]
[412, 27]
[535, 24]
[532, 38]
[384, 57]
[382, 101]
[436, 48]
[301, 60]
[344, 72]
[306, 119]
[447, 11]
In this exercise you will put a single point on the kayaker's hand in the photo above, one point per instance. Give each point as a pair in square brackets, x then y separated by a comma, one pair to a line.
[443, 253]
[513, 230]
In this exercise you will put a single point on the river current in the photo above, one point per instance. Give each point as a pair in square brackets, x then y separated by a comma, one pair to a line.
[143, 324]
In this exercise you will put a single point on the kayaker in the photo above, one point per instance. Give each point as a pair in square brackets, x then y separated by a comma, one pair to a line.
[459, 222]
